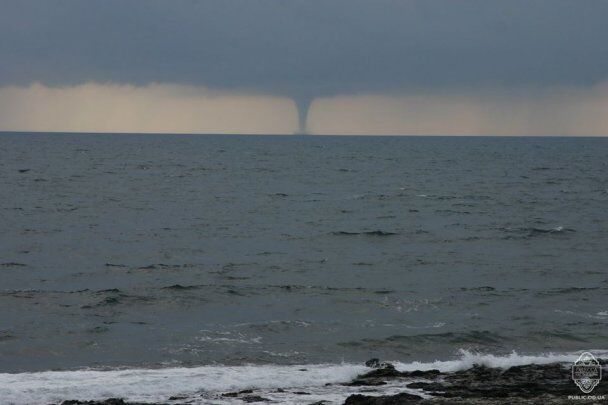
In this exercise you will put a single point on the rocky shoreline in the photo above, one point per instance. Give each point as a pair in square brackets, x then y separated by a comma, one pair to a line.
[526, 384]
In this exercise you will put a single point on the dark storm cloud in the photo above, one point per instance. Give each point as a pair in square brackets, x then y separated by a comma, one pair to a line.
[305, 47]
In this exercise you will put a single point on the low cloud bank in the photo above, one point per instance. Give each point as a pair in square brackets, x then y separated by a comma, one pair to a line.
[574, 111]
[169, 108]
[155, 108]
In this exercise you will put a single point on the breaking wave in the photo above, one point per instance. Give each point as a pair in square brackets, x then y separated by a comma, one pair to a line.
[206, 383]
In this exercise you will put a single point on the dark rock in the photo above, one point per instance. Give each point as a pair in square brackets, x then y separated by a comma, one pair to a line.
[365, 382]
[527, 384]
[373, 363]
[430, 374]
[109, 401]
[237, 393]
[177, 397]
[255, 398]
[378, 376]
[522, 382]
[427, 386]
[403, 398]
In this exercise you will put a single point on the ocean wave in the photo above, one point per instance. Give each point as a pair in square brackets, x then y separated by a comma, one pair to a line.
[206, 384]
[228, 338]
[531, 232]
[154, 385]
[366, 233]
[475, 337]
[467, 359]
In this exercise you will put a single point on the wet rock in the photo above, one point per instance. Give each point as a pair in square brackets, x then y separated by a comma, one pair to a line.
[365, 382]
[177, 397]
[254, 398]
[427, 386]
[237, 393]
[526, 384]
[109, 401]
[387, 370]
[378, 376]
[373, 363]
[403, 398]
[429, 374]
[521, 381]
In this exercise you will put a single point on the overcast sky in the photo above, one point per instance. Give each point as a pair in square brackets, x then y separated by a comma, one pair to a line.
[331, 51]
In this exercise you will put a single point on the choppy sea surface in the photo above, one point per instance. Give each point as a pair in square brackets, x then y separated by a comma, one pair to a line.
[145, 266]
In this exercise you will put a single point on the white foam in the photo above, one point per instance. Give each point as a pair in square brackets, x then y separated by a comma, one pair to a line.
[467, 359]
[157, 385]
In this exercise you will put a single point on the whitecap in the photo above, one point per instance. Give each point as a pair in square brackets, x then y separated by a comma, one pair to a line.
[468, 358]
[157, 385]
[205, 384]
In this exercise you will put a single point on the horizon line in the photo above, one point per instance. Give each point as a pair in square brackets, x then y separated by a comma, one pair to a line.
[297, 135]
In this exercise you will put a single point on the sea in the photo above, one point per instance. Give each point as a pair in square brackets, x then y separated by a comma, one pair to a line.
[150, 267]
